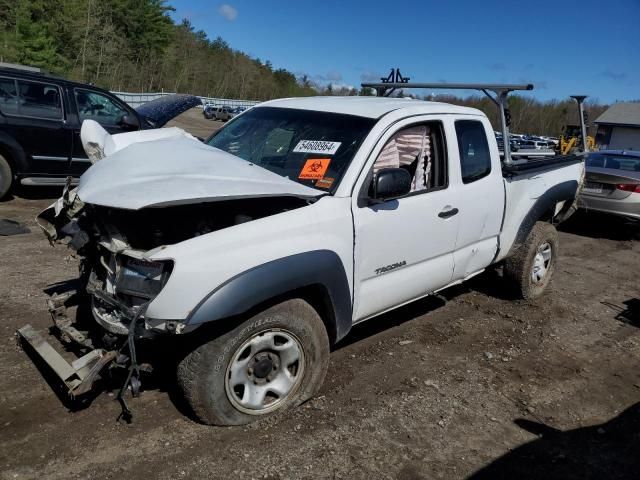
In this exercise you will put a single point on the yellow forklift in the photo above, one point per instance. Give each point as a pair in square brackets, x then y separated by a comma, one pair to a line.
[571, 139]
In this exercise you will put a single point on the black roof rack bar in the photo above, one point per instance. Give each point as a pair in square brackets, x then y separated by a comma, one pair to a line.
[385, 88]
[495, 87]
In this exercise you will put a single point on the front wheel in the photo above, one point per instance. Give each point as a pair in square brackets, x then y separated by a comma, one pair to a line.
[530, 269]
[273, 361]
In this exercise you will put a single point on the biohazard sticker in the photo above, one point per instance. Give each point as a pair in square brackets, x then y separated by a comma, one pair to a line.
[314, 169]
[317, 146]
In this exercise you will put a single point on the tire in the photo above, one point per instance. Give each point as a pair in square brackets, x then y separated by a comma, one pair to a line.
[530, 269]
[224, 379]
[6, 177]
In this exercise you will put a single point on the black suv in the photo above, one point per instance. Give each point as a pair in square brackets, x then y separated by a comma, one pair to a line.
[40, 119]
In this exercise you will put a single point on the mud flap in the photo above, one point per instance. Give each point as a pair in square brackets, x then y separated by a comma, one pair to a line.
[79, 375]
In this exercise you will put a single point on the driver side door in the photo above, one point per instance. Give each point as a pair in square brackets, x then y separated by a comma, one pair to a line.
[404, 246]
[107, 111]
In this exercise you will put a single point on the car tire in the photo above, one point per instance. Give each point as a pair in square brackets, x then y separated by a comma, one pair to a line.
[530, 269]
[275, 360]
[6, 177]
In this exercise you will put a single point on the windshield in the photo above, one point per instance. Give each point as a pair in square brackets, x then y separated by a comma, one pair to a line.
[616, 162]
[309, 147]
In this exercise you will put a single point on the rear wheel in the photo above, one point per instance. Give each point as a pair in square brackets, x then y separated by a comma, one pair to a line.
[530, 269]
[6, 177]
[272, 361]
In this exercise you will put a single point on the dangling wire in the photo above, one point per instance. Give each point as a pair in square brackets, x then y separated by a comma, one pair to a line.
[133, 375]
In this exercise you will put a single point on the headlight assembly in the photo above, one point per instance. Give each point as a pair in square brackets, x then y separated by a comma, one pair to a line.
[142, 278]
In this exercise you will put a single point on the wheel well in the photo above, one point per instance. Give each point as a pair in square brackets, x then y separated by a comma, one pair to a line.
[547, 215]
[315, 295]
[318, 297]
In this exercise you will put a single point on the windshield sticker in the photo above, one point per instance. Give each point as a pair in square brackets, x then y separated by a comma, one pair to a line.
[317, 146]
[325, 182]
[314, 169]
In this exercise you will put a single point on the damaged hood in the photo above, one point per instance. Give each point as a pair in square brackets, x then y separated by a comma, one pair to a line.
[159, 111]
[176, 171]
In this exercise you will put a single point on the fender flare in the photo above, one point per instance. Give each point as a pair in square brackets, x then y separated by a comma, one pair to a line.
[259, 284]
[562, 192]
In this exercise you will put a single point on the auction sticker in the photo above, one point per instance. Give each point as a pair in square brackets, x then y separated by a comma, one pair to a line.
[325, 182]
[317, 146]
[314, 169]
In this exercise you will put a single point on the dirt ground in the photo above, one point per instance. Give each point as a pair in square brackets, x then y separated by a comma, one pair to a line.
[468, 384]
[194, 122]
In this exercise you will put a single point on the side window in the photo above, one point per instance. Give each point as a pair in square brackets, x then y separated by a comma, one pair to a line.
[40, 100]
[8, 96]
[475, 160]
[98, 107]
[419, 149]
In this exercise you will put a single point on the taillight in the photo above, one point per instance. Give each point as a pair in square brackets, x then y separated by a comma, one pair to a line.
[629, 187]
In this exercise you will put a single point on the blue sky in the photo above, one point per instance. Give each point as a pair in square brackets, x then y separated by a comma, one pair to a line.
[563, 47]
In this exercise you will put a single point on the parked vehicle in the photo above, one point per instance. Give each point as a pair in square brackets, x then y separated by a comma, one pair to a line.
[535, 145]
[40, 118]
[515, 146]
[223, 113]
[209, 111]
[297, 220]
[613, 183]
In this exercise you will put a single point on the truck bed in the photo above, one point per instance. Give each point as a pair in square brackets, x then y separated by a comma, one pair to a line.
[539, 163]
[534, 189]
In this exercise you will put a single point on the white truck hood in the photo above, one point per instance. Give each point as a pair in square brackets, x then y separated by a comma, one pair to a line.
[179, 170]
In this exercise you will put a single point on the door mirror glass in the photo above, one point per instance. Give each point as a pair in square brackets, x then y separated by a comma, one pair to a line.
[129, 121]
[390, 183]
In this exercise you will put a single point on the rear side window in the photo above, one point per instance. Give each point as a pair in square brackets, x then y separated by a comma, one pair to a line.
[8, 96]
[475, 160]
[40, 100]
[615, 162]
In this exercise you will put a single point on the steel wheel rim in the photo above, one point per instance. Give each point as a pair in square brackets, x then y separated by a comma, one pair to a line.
[265, 371]
[541, 262]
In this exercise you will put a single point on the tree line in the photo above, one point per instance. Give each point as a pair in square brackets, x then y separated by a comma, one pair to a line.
[134, 45]
[531, 116]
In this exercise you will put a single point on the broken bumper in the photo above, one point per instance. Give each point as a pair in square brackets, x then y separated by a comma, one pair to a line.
[79, 375]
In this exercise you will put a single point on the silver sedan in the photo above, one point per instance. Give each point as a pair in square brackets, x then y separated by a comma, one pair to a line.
[612, 183]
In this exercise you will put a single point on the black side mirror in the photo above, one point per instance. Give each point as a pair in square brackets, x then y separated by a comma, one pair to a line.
[130, 121]
[390, 183]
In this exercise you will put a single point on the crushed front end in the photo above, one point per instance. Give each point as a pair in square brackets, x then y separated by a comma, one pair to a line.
[121, 272]
[114, 287]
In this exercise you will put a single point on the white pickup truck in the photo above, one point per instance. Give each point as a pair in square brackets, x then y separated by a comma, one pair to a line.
[255, 251]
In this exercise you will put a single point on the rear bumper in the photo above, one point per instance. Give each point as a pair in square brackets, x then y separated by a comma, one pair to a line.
[628, 207]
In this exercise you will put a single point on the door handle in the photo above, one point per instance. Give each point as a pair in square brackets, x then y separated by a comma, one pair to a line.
[449, 212]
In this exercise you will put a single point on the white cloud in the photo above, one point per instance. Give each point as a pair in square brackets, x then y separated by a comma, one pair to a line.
[228, 12]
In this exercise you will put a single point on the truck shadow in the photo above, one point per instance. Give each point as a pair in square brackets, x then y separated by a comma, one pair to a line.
[36, 193]
[391, 319]
[490, 283]
[600, 225]
[610, 450]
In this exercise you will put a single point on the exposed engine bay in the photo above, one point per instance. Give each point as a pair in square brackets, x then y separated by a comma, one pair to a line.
[112, 243]
[116, 281]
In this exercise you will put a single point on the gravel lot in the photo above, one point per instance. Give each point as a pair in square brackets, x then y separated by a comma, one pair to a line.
[468, 384]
